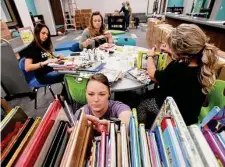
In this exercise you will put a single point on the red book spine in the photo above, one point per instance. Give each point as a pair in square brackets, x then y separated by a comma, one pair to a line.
[102, 149]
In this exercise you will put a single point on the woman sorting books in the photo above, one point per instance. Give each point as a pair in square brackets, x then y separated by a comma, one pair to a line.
[39, 54]
[95, 34]
[188, 78]
[99, 109]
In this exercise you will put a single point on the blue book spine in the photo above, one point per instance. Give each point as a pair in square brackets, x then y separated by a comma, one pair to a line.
[221, 140]
[182, 147]
[174, 152]
[158, 161]
[209, 116]
[135, 156]
[161, 146]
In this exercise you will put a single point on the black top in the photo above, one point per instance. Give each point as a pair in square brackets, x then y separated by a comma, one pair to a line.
[37, 55]
[125, 11]
[181, 82]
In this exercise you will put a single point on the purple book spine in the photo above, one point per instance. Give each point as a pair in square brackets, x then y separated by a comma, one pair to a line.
[215, 146]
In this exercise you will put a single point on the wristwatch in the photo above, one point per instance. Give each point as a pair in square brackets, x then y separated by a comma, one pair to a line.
[148, 57]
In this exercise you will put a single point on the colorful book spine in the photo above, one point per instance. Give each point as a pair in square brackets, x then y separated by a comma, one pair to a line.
[124, 143]
[190, 149]
[145, 157]
[31, 152]
[161, 146]
[135, 154]
[209, 116]
[112, 145]
[215, 146]
[156, 151]
[172, 145]
[220, 140]
[102, 150]
[24, 142]
[222, 135]
[151, 149]
[204, 150]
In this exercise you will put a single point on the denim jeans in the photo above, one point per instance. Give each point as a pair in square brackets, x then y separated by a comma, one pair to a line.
[51, 78]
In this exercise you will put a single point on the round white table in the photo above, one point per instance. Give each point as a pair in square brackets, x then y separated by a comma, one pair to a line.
[126, 83]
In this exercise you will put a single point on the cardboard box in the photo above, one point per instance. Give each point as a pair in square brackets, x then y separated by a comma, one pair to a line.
[86, 11]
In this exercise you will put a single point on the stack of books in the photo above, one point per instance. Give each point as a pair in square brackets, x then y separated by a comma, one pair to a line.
[63, 139]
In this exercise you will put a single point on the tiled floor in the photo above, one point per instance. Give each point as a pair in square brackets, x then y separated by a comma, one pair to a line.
[44, 100]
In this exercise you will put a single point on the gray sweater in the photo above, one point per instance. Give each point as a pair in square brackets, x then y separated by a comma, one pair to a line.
[85, 35]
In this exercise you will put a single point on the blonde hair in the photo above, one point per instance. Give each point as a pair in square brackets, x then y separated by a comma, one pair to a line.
[189, 42]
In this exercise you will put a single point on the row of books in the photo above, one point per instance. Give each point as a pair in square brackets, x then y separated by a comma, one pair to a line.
[179, 145]
[63, 139]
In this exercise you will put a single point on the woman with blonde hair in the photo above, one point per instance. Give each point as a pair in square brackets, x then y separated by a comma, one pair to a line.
[188, 78]
[95, 34]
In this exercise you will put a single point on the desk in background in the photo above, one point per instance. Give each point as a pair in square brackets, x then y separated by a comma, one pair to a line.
[116, 23]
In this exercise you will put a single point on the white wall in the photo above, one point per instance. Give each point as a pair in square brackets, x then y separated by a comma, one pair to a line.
[108, 6]
[43, 7]
[24, 13]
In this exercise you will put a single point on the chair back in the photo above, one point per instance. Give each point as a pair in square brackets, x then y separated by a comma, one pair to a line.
[76, 88]
[216, 97]
[29, 76]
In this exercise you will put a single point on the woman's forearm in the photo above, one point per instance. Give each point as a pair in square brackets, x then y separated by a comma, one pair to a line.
[151, 68]
[32, 67]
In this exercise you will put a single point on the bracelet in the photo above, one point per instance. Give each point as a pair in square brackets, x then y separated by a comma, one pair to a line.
[148, 57]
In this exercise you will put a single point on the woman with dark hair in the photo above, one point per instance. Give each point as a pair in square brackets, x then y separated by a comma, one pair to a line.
[39, 54]
[99, 108]
[95, 34]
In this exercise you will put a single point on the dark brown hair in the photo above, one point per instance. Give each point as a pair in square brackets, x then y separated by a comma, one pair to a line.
[100, 78]
[46, 45]
[91, 28]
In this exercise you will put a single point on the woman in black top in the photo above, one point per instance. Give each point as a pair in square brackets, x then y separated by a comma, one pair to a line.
[39, 54]
[187, 79]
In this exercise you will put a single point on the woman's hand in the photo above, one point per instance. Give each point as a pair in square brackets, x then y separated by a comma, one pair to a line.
[151, 52]
[165, 48]
[108, 35]
[50, 61]
[99, 125]
[87, 43]
[60, 56]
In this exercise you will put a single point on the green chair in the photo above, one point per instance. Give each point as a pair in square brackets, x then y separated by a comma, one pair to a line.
[216, 97]
[76, 89]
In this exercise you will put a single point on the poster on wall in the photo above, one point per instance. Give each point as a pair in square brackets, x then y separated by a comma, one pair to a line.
[26, 35]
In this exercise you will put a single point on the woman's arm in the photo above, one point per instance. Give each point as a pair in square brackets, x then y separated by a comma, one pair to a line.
[151, 65]
[29, 66]
[108, 35]
[85, 41]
